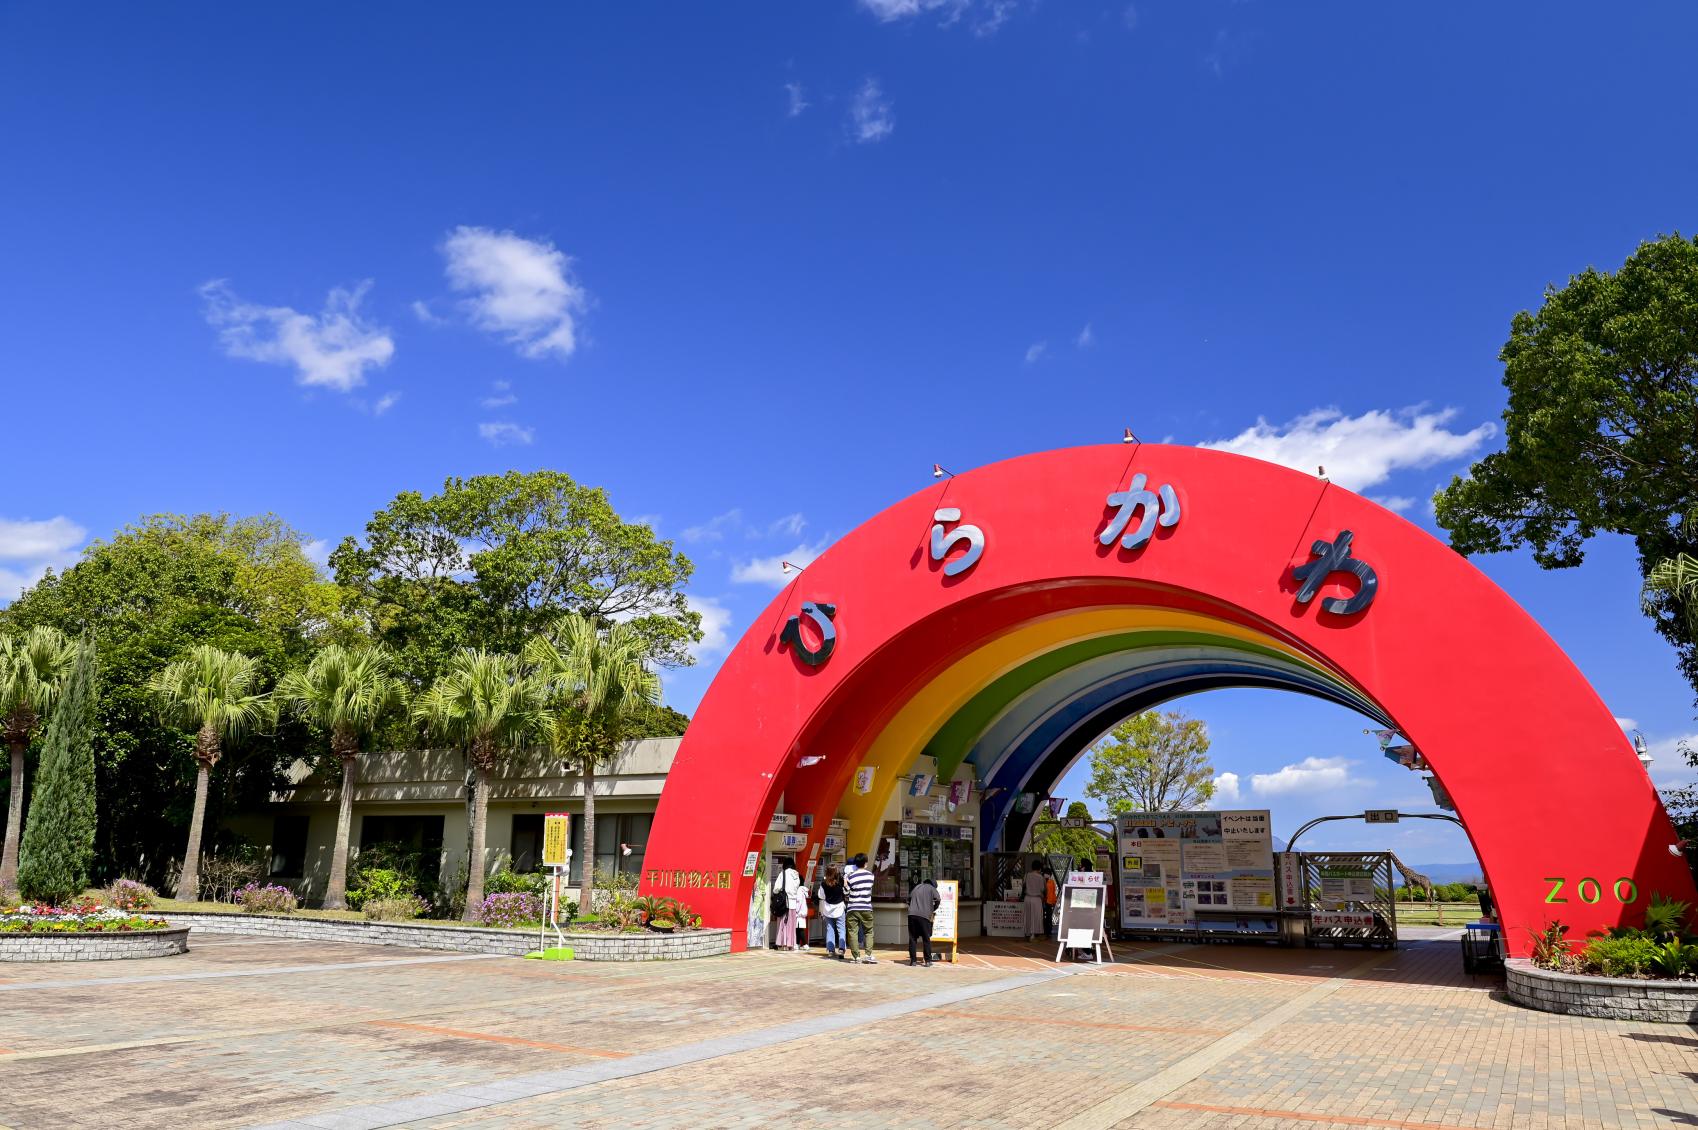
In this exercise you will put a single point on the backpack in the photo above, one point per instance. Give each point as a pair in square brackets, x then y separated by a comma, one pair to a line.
[780, 904]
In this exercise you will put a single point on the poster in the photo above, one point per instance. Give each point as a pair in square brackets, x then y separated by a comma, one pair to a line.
[946, 922]
[920, 784]
[863, 780]
[1174, 865]
[1005, 919]
[554, 839]
[1291, 881]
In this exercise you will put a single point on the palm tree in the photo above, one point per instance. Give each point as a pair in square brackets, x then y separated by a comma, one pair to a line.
[211, 692]
[596, 679]
[486, 705]
[1672, 584]
[33, 668]
[347, 691]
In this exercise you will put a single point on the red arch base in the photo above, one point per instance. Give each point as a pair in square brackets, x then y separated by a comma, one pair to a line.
[1543, 778]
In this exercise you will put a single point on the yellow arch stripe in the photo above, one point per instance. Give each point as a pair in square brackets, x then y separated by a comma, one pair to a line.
[896, 746]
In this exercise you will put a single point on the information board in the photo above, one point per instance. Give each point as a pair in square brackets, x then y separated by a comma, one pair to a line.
[946, 923]
[555, 838]
[1173, 864]
[1005, 919]
[1081, 921]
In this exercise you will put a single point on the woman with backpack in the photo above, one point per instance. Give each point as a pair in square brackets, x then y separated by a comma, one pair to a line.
[786, 903]
[830, 904]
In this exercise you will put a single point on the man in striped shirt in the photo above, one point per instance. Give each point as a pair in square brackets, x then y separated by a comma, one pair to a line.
[858, 903]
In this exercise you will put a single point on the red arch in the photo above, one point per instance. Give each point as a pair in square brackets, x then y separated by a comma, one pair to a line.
[1542, 776]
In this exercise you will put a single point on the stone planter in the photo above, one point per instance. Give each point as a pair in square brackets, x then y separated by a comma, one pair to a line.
[1613, 998]
[95, 945]
[585, 945]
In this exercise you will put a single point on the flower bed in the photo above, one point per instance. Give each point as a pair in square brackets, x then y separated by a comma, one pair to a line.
[85, 932]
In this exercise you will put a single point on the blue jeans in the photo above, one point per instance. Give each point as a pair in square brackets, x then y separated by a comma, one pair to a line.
[834, 927]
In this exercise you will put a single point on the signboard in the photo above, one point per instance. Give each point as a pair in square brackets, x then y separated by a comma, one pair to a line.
[781, 822]
[1290, 881]
[555, 836]
[786, 841]
[1175, 864]
[1380, 816]
[1343, 919]
[1082, 914]
[1085, 879]
[946, 923]
[750, 864]
[1005, 919]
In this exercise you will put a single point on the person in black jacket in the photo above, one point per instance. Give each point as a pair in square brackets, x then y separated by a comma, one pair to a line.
[922, 906]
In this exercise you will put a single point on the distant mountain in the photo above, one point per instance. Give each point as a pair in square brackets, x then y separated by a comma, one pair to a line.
[1449, 872]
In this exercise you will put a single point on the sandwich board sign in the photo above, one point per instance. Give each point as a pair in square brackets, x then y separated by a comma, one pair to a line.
[1082, 909]
[946, 923]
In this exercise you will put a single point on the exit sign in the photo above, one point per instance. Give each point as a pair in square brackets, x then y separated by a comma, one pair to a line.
[1380, 816]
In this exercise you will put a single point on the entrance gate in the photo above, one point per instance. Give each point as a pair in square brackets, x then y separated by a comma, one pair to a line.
[1001, 620]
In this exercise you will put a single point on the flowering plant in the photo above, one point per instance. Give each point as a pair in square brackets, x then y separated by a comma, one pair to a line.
[270, 899]
[82, 918]
[513, 908]
[129, 895]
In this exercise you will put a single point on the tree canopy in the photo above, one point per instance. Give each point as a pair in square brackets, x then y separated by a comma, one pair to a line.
[1152, 762]
[494, 559]
[1601, 429]
[1050, 838]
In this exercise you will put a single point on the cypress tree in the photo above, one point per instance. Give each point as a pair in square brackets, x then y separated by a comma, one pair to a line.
[58, 847]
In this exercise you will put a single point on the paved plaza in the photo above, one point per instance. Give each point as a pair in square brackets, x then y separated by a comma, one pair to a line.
[244, 1031]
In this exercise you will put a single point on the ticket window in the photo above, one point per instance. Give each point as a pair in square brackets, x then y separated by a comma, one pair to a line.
[934, 856]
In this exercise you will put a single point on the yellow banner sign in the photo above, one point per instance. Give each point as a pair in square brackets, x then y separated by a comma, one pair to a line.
[554, 838]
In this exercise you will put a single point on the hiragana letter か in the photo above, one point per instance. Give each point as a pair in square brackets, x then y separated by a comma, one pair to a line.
[1159, 509]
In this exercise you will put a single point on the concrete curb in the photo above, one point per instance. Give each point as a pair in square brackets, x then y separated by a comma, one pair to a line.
[96, 945]
[1610, 998]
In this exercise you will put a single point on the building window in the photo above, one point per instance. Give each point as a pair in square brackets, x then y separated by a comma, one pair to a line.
[288, 846]
[614, 833]
[421, 834]
[527, 841]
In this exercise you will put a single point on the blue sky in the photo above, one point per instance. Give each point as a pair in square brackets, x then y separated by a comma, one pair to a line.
[299, 258]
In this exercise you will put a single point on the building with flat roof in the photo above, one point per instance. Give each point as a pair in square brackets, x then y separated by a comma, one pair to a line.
[422, 799]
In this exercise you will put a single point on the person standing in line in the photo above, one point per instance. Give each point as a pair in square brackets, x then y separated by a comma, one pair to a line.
[786, 885]
[1050, 896]
[922, 906]
[1033, 888]
[802, 896]
[829, 904]
[858, 900]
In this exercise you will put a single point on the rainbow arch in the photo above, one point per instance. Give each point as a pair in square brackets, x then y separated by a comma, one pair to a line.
[1014, 663]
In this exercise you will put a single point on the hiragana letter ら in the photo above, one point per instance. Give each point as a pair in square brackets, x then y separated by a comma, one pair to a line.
[1162, 509]
[1334, 557]
[942, 544]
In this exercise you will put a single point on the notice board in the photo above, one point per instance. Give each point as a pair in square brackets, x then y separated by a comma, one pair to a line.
[1173, 864]
[554, 839]
[947, 921]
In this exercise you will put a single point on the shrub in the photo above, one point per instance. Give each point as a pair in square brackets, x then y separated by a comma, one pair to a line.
[58, 839]
[1619, 957]
[514, 908]
[129, 895]
[1551, 947]
[226, 871]
[1665, 918]
[1675, 958]
[272, 899]
[381, 884]
[509, 882]
[399, 908]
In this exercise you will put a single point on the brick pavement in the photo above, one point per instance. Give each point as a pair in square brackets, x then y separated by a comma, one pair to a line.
[241, 1032]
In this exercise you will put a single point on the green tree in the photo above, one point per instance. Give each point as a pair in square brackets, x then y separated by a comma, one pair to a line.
[485, 704]
[598, 683]
[58, 845]
[346, 692]
[1152, 762]
[213, 693]
[1050, 838]
[1601, 430]
[147, 595]
[33, 666]
[492, 560]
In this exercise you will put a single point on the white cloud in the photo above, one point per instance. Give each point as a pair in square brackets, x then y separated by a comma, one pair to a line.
[521, 289]
[501, 396]
[796, 102]
[770, 570]
[791, 524]
[1628, 724]
[1357, 451]
[716, 625]
[36, 546]
[714, 528]
[1312, 774]
[1395, 502]
[503, 433]
[870, 114]
[332, 349]
[1086, 338]
[1036, 350]
[423, 313]
[385, 402]
[317, 551]
[983, 16]
[1226, 790]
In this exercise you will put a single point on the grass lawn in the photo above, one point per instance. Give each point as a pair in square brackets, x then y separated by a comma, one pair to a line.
[1437, 914]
